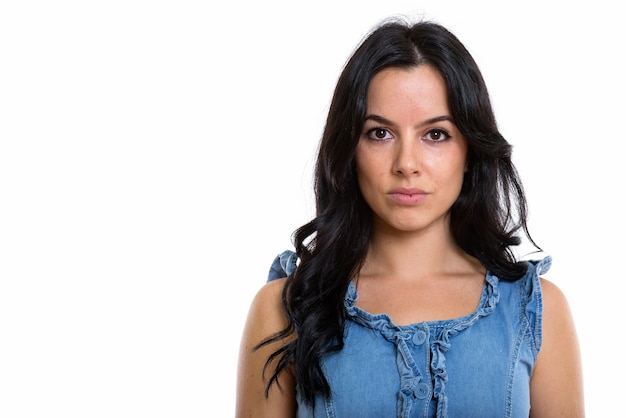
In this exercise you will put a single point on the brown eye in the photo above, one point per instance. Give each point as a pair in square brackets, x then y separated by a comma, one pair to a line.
[437, 135]
[378, 134]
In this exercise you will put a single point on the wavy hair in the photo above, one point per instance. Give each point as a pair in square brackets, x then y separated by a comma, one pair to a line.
[486, 219]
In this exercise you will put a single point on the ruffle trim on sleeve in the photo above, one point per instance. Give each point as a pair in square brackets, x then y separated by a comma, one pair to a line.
[534, 300]
[283, 265]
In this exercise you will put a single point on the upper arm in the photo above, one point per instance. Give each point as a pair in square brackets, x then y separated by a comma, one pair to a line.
[556, 386]
[265, 317]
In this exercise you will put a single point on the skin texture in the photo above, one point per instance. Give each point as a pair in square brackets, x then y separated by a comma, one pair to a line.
[265, 317]
[402, 148]
[409, 142]
[556, 387]
[410, 163]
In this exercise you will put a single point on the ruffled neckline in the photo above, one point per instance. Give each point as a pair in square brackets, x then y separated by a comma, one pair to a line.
[488, 300]
[413, 382]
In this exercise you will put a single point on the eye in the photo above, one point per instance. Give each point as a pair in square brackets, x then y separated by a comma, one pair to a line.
[437, 135]
[378, 134]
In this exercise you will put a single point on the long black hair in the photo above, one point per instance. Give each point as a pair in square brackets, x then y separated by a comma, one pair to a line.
[486, 219]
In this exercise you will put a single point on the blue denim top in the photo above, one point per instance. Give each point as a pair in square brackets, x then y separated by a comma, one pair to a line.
[478, 365]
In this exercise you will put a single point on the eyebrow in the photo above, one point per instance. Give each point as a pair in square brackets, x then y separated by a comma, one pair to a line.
[380, 119]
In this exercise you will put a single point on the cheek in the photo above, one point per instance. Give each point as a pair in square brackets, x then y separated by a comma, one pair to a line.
[447, 170]
[369, 172]
[365, 165]
[368, 177]
[363, 179]
[458, 171]
[360, 157]
[371, 160]
[455, 161]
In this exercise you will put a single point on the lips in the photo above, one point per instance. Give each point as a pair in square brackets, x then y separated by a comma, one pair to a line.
[407, 196]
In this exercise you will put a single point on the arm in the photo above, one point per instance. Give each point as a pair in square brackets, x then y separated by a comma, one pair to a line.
[556, 387]
[264, 318]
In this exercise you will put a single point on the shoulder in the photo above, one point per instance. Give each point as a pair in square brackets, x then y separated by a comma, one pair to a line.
[557, 316]
[555, 303]
[556, 384]
[266, 315]
[266, 307]
[265, 318]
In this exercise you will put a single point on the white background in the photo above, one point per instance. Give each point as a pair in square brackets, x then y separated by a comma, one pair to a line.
[156, 156]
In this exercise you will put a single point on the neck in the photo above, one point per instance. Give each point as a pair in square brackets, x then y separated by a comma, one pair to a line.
[411, 255]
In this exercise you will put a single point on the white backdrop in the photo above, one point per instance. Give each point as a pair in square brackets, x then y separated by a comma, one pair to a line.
[156, 156]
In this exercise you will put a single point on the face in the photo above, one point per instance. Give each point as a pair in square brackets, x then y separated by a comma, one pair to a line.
[410, 156]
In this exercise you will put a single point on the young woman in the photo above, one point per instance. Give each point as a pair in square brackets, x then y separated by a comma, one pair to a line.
[404, 296]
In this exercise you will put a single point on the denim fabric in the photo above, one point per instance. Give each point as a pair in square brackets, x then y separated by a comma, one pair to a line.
[282, 266]
[478, 365]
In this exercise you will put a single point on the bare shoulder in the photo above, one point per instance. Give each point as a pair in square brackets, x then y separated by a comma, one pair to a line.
[557, 383]
[558, 323]
[266, 307]
[553, 296]
[265, 318]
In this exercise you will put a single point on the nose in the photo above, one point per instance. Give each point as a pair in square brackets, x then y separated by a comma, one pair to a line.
[407, 158]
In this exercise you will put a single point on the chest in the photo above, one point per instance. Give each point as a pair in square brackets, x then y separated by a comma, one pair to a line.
[409, 303]
[476, 367]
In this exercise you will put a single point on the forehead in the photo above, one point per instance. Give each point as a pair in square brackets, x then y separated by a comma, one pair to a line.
[420, 87]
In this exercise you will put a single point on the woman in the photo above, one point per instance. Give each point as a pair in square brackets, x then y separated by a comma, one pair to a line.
[404, 296]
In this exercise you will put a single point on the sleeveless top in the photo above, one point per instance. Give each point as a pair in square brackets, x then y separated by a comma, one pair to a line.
[478, 365]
